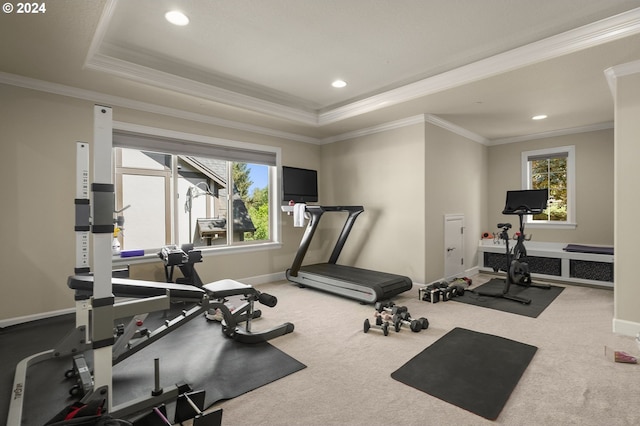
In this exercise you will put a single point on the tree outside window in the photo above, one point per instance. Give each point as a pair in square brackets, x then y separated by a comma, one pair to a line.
[552, 169]
[551, 173]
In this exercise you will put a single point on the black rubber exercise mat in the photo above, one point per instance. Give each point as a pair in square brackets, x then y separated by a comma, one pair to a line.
[471, 370]
[196, 353]
[540, 298]
[22, 340]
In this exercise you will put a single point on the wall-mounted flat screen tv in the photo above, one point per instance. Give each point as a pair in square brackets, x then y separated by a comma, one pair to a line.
[299, 185]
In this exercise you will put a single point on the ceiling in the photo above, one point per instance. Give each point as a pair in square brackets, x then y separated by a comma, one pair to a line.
[483, 67]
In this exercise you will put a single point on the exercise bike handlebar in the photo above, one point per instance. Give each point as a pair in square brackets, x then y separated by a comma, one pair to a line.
[522, 210]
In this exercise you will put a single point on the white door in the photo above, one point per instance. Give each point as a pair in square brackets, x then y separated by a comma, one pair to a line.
[453, 245]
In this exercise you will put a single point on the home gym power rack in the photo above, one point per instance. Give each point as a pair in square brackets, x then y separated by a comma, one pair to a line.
[97, 218]
[96, 309]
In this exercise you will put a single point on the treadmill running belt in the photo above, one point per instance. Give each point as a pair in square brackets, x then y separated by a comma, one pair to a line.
[354, 282]
[360, 276]
[360, 284]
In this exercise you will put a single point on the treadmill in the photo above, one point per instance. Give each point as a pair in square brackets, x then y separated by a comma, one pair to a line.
[364, 285]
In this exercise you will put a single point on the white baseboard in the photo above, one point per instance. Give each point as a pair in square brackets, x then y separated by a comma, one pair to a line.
[27, 318]
[467, 273]
[626, 328]
[473, 271]
[263, 279]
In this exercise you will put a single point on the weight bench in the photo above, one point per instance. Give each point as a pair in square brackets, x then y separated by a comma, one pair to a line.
[219, 291]
[208, 298]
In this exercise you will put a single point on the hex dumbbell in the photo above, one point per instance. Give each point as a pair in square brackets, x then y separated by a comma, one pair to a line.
[431, 293]
[415, 325]
[384, 316]
[390, 307]
[384, 327]
[459, 290]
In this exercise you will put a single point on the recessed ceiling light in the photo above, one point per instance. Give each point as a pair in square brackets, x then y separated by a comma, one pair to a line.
[539, 117]
[177, 18]
[339, 83]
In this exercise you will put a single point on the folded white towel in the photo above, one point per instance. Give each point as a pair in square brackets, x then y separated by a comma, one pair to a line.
[298, 214]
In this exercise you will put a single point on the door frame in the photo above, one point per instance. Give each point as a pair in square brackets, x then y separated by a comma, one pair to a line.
[459, 272]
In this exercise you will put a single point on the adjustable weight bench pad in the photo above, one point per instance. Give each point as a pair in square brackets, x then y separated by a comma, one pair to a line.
[122, 287]
[225, 288]
[219, 290]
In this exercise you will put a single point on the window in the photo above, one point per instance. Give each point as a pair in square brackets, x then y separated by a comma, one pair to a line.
[210, 195]
[553, 169]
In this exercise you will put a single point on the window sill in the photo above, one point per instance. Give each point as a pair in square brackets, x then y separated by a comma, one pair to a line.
[152, 256]
[551, 225]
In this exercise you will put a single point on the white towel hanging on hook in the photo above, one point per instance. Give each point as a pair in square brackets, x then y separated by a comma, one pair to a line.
[298, 214]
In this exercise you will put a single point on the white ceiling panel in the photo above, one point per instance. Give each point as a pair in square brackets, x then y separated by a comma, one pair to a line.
[484, 65]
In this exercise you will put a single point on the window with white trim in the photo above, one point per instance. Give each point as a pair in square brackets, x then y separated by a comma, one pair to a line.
[212, 195]
[554, 169]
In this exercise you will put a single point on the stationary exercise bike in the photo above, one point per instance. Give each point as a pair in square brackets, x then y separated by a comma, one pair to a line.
[521, 203]
[518, 269]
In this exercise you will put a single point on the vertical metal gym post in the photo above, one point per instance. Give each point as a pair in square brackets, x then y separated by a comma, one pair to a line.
[82, 229]
[103, 207]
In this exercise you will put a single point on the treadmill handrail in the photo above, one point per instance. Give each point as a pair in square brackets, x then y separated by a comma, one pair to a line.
[316, 213]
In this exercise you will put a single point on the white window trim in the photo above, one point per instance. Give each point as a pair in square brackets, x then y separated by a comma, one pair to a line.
[570, 150]
[274, 181]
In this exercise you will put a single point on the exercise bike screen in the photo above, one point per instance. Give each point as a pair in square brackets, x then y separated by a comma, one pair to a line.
[535, 201]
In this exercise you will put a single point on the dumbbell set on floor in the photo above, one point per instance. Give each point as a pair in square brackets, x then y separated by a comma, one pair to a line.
[388, 315]
[415, 325]
[443, 291]
[379, 325]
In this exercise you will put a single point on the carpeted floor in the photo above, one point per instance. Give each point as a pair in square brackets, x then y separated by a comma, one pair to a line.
[348, 380]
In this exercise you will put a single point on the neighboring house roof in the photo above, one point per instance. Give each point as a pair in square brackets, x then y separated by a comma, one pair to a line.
[217, 171]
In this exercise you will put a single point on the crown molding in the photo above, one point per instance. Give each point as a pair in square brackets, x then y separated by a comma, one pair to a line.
[553, 133]
[98, 61]
[590, 35]
[613, 73]
[163, 80]
[101, 98]
[101, 29]
[404, 122]
[454, 128]
[409, 121]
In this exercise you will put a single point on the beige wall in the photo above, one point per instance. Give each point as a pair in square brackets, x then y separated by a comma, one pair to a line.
[38, 175]
[37, 166]
[388, 173]
[455, 182]
[383, 172]
[594, 186]
[407, 179]
[627, 204]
